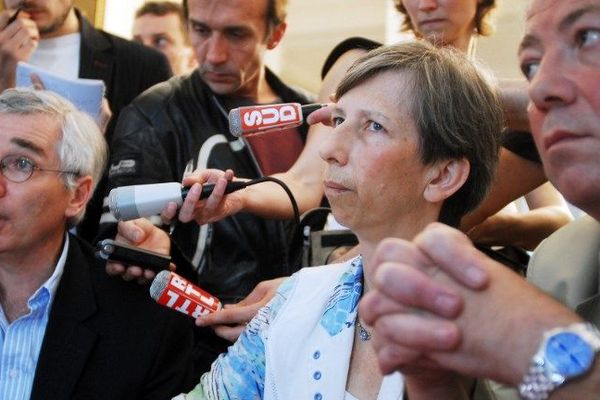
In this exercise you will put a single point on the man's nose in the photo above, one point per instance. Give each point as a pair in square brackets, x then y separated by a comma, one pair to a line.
[217, 51]
[551, 84]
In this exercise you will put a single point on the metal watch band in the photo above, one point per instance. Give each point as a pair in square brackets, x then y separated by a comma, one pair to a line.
[537, 384]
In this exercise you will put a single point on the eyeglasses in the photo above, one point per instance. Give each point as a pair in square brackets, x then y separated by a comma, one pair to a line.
[19, 169]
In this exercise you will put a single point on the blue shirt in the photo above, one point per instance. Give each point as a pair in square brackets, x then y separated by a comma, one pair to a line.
[21, 341]
[240, 373]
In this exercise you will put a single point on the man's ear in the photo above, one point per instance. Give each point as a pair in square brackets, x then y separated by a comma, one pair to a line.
[446, 178]
[276, 35]
[80, 196]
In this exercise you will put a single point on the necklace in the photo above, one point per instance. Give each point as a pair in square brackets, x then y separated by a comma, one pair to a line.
[363, 334]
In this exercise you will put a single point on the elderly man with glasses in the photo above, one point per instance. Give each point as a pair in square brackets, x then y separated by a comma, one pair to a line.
[66, 328]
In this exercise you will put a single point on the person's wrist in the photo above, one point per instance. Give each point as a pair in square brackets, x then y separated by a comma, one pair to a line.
[518, 357]
[565, 353]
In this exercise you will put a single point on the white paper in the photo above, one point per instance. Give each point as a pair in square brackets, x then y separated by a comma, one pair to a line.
[85, 94]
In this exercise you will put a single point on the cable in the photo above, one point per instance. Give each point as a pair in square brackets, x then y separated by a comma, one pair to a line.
[284, 187]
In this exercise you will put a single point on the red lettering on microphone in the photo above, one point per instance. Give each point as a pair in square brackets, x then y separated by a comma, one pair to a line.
[271, 116]
[186, 298]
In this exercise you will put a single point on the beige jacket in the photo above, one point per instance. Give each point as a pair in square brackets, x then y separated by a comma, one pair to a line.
[567, 266]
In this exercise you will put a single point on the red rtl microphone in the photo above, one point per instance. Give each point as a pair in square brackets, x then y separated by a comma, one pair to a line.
[173, 291]
[254, 119]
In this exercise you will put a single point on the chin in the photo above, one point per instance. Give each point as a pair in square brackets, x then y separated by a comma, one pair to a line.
[342, 219]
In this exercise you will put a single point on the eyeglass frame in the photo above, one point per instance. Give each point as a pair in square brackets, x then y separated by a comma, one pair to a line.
[34, 167]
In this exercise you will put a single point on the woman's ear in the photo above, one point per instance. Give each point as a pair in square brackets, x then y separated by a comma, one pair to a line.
[446, 178]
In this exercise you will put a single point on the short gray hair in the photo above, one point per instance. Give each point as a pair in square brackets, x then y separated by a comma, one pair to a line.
[81, 146]
[457, 112]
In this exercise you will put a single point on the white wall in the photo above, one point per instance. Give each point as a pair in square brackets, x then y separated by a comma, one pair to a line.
[316, 26]
[118, 16]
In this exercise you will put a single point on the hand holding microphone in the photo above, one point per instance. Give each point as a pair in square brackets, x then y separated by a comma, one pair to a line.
[144, 236]
[137, 201]
[173, 291]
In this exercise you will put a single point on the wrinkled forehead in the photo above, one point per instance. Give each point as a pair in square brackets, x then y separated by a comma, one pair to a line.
[548, 20]
[537, 7]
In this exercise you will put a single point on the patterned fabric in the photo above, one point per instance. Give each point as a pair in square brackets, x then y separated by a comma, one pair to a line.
[240, 373]
[340, 311]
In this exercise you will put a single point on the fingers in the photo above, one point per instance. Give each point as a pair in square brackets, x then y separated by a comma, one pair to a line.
[393, 250]
[37, 82]
[214, 201]
[392, 358]
[229, 316]
[374, 305]
[203, 211]
[451, 251]
[410, 283]
[230, 333]
[131, 231]
[132, 272]
[114, 268]
[19, 38]
[169, 212]
[241, 313]
[417, 332]
[322, 115]
[139, 232]
[412, 288]
[206, 176]
[186, 212]
[262, 293]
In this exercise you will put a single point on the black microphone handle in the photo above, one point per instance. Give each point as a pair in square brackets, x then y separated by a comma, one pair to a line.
[309, 108]
[208, 188]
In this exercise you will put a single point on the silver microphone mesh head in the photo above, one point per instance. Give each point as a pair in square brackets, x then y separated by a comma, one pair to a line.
[159, 284]
[121, 203]
[235, 123]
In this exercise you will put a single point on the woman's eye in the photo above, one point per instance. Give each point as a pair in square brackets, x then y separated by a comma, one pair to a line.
[335, 121]
[375, 126]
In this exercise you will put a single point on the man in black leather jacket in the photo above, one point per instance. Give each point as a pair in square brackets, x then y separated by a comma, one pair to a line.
[181, 125]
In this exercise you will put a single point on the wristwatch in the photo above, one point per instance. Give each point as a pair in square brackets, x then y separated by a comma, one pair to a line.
[565, 353]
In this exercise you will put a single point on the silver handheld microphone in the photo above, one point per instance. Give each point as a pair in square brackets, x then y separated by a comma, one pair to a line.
[137, 201]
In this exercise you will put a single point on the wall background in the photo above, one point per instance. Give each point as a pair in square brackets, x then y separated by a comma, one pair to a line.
[316, 26]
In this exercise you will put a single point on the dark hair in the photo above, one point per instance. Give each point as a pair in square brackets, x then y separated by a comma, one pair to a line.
[456, 111]
[483, 26]
[276, 13]
[161, 8]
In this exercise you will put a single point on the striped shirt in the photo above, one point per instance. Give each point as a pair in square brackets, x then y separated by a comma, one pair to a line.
[21, 340]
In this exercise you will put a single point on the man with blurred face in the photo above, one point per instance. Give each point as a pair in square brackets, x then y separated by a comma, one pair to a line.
[54, 36]
[495, 325]
[182, 125]
[162, 25]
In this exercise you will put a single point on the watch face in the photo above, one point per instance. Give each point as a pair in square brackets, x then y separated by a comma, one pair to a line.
[568, 354]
